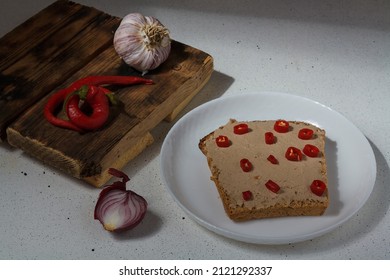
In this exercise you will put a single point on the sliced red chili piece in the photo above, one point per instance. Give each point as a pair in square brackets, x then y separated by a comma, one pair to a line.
[269, 138]
[293, 154]
[246, 165]
[305, 134]
[272, 159]
[241, 128]
[311, 150]
[318, 187]
[281, 126]
[272, 186]
[222, 141]
[247, 195]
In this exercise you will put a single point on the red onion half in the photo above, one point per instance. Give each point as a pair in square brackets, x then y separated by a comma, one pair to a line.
[119, 209]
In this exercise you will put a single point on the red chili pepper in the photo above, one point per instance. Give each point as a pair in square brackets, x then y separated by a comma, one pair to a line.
[272, 186]
[222, 141]
[246, 165]
[305, 134]
[269, 138]
[311, 150]
[241, 128]
[293, 154]
[318, 187]
[98, 102]
[54, 101]
[272, 159]
[281, 126]
[247, 195]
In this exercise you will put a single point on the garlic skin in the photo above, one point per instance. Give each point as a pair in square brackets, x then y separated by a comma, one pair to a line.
[142, 42]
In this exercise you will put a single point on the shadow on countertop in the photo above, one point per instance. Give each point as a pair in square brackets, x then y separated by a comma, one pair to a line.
[361, 13]
[215, 88]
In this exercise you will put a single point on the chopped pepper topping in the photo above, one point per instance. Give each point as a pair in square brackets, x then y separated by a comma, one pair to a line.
[241, 128]
[269, 138]
[247, 195]
[281, 126]
[311, 150]
[305, 134]
[293, 154]
[246, 165]
[318, 187]
[272, 159]
[222, 141]
[272, 186]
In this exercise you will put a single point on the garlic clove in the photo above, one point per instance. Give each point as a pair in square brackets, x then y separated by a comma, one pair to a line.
[142, 42]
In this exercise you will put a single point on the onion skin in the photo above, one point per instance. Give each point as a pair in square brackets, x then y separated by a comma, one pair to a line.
[142, 42]
[119, 209]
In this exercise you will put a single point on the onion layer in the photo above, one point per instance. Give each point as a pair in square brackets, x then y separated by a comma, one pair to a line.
[119, 209]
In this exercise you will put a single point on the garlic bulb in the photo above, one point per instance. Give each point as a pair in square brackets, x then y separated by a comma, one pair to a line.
[142, 42]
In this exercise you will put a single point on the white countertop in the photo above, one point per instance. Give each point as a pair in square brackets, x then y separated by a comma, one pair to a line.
[334, 52]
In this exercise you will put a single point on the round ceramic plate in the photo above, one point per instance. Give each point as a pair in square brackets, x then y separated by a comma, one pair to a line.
[350, 159]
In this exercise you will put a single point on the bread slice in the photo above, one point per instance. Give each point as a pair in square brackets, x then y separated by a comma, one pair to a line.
[244, 193]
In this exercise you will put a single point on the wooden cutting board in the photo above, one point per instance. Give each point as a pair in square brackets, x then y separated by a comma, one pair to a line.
[67, 41]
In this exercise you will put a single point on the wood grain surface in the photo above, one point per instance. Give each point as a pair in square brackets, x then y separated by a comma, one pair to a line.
[76, 44]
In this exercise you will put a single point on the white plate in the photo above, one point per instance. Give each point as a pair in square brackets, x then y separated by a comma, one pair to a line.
[351, 166]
